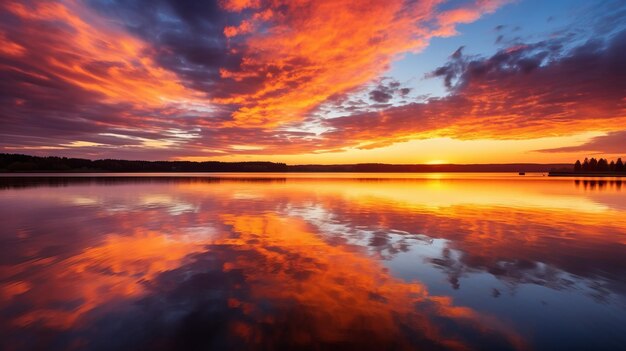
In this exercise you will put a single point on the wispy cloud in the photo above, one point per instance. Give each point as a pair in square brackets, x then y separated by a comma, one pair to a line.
[611, 143]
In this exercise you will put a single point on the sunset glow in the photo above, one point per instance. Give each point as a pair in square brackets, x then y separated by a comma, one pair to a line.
[474, 81]
[359, 262]
[312, 175]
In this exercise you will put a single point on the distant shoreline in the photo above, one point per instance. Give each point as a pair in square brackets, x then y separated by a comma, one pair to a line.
[17, 163]
[7, 173]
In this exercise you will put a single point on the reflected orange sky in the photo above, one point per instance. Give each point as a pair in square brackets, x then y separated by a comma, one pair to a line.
[309, 257]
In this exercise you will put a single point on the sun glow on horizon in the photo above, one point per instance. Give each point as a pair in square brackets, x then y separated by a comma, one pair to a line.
[437, 162]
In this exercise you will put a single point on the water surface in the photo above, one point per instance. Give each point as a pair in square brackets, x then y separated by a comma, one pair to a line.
[312, 261]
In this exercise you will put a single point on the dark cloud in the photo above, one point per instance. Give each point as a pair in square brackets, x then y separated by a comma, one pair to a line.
[452, 69]
[387, 89]
[380, 95]
[611, 143]
[186, 36]
[531, 90]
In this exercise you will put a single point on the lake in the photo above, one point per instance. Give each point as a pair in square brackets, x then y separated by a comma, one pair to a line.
[312, 262]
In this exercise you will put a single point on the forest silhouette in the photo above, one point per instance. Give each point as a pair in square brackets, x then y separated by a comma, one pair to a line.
[601, 165]
[27, 163]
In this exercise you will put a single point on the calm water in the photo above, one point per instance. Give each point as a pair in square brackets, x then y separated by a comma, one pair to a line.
[332, 261]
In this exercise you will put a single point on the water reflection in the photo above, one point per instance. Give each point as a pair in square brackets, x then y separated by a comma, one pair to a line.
[592, 184]
[258, 263]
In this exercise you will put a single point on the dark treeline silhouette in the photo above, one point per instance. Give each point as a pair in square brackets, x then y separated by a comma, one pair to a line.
[26, 163]
[601, 166]
[419, 168]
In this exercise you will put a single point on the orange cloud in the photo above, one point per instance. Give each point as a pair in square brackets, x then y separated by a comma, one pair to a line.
[244, 27]
[9, 47]
[91, 54]
[238, 5]
[449, 19]
[518, 93]
[309, 51]
[266, 72]
[108, 272]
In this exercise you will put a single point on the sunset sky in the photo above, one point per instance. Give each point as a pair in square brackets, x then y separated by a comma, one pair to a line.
[314, 81]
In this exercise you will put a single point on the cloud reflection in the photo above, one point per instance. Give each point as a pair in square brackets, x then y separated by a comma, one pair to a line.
[290, 264]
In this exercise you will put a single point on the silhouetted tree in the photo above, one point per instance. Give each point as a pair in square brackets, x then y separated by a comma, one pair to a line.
[593, 164]
[577, 166]
[603, 165]
[586, 164]
[619, 165]
[600, 165]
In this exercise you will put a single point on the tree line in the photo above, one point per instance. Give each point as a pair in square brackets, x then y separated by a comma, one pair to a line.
[600, 165]
[26, 163]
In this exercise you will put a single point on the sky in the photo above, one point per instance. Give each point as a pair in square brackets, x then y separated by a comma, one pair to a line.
[314, 81]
